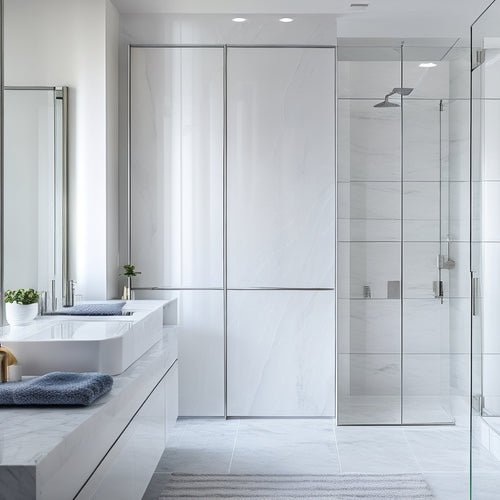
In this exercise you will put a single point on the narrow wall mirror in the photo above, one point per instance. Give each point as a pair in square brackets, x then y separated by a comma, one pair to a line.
[35, 190]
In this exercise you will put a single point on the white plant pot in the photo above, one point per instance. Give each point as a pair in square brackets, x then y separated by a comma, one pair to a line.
[20, 314]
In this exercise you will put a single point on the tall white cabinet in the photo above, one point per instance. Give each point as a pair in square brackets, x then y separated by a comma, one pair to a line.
[232, 202]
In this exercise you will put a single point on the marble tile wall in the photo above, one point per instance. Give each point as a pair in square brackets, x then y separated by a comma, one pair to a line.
[280, 221]
[281, 232]
[176, 158]
[281, 343]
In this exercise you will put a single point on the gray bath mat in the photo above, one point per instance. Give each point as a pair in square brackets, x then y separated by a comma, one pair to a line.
[331, 486]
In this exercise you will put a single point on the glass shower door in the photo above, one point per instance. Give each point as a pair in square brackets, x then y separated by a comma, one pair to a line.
[369, 237]
[485, 255]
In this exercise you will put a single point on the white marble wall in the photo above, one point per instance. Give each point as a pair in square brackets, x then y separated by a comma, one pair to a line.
[281, 221]
[281, 351]
[281, 173]
[389, 230]
[176, 119]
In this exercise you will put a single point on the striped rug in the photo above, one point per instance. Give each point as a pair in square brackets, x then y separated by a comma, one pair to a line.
[332, 486]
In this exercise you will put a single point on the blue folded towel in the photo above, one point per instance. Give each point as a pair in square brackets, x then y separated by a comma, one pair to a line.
[111, 309]
[56, 388]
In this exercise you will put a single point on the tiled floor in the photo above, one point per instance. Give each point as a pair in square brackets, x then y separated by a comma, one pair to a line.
[310, 446]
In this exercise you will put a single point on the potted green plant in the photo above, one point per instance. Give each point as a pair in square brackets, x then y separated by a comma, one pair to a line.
[129, 273]
[21, 306]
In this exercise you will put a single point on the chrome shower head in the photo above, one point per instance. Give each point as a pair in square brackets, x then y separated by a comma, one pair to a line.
[402, 90]
[386, 103]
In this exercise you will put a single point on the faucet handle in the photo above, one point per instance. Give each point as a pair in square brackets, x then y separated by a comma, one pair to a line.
[42, 301]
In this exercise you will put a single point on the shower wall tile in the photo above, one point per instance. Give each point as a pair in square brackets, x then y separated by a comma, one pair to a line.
[460, 315]
[356, 78]
[459, 211]
[426, 375]
[422, 135]
[367, 375]
[368, 326]
[281, 343]
[421, 230]
[367, 264]
[459, 276]
[369, 230]
[490, 150]
[370, 141]
[369, 200]
[420, 269]
[459, 139]
[421, 201]
[426, 326]
[281, 170]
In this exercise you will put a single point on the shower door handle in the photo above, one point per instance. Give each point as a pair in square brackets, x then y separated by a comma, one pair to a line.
[474, 294]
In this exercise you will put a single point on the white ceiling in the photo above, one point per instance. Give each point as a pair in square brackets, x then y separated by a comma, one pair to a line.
[389, 18]
[469, 9]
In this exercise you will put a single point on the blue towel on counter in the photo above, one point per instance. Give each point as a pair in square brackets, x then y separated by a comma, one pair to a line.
[56, 388]
[111, 309]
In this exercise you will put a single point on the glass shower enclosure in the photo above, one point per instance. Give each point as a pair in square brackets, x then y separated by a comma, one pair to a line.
[402, 247]
[485, 254]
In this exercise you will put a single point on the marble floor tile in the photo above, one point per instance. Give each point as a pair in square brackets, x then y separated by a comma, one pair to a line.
[440, 451]
[285, 447]
[448, 485]
[374, 449]
[310, 446]
[486, 486]
[201, 446]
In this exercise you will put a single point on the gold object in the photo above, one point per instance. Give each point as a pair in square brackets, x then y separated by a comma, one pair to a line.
[126, 293]
[6, 359]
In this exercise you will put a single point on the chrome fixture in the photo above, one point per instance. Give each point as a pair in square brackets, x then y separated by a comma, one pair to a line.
[69, 299]
[403, 91]
[42, 301]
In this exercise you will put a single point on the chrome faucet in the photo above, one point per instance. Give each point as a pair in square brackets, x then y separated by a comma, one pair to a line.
[69, 298]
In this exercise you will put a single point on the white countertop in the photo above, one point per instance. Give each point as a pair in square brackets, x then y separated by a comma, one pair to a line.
[58, 445]
[141, 308]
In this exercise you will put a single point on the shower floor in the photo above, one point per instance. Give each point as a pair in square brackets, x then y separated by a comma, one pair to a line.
[310, 446]
[367, 410]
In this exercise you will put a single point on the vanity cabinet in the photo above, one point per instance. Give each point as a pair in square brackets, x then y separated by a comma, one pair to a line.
[127, 468]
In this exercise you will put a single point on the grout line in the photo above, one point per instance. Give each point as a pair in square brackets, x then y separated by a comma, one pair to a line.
[336, 445]
[234, 447]
[412, 452]
[179, 439]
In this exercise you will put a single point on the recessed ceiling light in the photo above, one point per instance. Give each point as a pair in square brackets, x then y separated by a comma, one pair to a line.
[428, 65]
[239, 19]
[286, 20]
[359, 5]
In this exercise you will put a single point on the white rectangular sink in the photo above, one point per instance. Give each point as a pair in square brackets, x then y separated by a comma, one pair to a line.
[80, 344]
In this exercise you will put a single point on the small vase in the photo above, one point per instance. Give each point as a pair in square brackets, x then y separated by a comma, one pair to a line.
[20, 314]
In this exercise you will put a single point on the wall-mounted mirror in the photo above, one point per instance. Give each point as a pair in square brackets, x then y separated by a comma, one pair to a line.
[35, 190]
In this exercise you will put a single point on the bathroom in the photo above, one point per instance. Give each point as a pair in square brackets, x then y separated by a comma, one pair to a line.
[309, 190]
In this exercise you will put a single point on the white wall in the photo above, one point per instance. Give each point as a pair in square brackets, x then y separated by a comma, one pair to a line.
[112, 75]
[63, 42]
